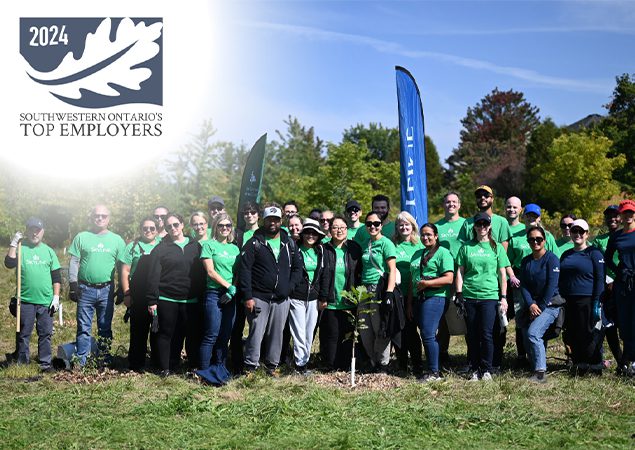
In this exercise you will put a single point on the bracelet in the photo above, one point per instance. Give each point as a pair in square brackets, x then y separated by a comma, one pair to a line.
[504, 296]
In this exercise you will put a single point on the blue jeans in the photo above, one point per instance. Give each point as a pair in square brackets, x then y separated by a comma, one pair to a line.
[533, 337]
[625, 302]
[428, 314]
[99, 301]
[480, 318]
[218, 321]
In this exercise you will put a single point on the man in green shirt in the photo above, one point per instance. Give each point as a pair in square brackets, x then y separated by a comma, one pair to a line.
[353, 212]
[380, 205]
[91, 273]
[39, 291]
[513, 209]
[500, 227]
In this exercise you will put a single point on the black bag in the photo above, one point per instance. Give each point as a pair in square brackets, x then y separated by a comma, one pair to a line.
[13, 306]
[556, 327]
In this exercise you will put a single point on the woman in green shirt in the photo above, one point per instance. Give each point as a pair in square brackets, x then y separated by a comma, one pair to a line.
[407, 242]
[378, 258]
[198, 223]
[480, 282]
[432, 275]
[219, 256]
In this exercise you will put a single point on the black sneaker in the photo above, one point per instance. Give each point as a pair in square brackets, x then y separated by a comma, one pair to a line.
[538, 377]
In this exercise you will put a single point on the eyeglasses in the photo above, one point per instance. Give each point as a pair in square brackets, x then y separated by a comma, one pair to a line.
[146, 229]
[100, 216]
[198, 225]
[224, 225]
[564, 226]
[375, 224]
[160, 216]
[481, 224]
[250, 213]
[535, 240]
[175, 225]
[578, 231]
[336, 229]
[353, 210]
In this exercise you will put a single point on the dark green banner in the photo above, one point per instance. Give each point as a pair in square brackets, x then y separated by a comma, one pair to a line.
[252, 177]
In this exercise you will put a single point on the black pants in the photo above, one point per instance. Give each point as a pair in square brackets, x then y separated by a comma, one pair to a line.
[178, 322]
[581, 334]
[335, 346]
[410, 343]
[236, 341]
[481, 317]
[140, 322]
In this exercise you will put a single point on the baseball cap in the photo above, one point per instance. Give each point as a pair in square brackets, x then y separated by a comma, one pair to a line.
[611, 208]
[310, 224]
[482, 217]
[34, 222]
[532, 208]
[485, 188]
[580, 223]
[352, 204]
[216, 199]
[272, 211]
[626, 205]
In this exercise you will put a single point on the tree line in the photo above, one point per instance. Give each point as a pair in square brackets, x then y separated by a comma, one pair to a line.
[503, 143]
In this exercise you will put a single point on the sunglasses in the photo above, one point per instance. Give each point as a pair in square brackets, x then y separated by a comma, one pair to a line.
[375, 224]
[250, 213]
[484, 194]
[535, 240]
[224, 225]
[100, 216]
[175, 225]
[325, 220]
[578, 231]
[146, 229]
[160, 216]
[353, 210]
[481, 224]
[564, 226]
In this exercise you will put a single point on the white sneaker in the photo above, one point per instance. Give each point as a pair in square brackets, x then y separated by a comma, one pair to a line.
[486, 377]
[474, 376]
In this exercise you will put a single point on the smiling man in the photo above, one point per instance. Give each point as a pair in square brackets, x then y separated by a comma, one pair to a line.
[94, 256]
[484, 196]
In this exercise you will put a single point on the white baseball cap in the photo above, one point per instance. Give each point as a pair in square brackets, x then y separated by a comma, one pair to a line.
[580, 223]
[272, 211]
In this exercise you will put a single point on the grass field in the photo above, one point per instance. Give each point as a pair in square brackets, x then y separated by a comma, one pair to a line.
[122, 410]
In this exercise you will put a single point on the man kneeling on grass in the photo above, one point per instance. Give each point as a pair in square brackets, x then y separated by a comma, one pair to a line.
[40, 281]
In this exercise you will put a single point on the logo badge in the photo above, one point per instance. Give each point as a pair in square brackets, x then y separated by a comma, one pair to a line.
[95, 62]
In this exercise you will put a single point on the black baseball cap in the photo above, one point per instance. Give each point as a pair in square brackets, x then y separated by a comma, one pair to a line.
[352, 204]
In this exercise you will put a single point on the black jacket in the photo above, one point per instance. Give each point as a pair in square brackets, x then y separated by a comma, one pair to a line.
[175, 272]
[319, 286]
[261, 276]
[352, 270]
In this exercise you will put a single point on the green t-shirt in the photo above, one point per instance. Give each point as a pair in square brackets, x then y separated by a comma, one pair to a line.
[449, 234]
[98, 254]
[132, 253]
[193, 234]
[184, 242]
[351, 232]
[601, 241]
[275, 245]
[36, 282]
[224, 257]
[340, 280]
[501, 232]
[405, 250]
[362, 237]
[519, 248]
[481, 265]
[564, 244]
[440, 263]
[382, 250]
[248, 235]
[518, 229]
[310, 261]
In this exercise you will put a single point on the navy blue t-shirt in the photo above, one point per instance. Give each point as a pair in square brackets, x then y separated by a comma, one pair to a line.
[624, 244]
[539, 279]
[582, 273]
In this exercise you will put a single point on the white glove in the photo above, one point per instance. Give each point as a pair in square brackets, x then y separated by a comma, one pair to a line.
[55, 304]
[17, 237]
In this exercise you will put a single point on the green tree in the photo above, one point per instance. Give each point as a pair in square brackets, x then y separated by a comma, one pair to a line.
[538, 153]
[577, 175]
[492, 147]
[619, 126]
[382, 142]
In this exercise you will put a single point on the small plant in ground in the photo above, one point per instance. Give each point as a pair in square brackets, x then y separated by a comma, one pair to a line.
[361, 299]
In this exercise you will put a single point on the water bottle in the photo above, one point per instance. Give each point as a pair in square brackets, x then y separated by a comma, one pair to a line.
[502, 317]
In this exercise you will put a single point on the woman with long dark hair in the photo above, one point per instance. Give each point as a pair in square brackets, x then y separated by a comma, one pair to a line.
[175, 287]
[481, 285]
[134, 291]
[432, 275]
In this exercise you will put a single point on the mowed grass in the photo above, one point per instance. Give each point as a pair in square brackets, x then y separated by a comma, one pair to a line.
[292, 412]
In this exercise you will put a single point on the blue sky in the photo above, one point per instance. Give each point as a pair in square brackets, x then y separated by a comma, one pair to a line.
[331, 63]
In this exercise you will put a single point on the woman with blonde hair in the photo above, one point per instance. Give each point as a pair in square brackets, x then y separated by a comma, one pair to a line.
[198, 224]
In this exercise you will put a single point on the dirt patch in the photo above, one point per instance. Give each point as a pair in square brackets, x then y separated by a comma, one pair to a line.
[92, 376]
[369, 382]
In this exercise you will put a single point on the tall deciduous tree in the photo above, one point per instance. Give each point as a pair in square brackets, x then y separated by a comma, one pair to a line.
[538, 153]
[492, 148]
[577, 175]
[619, 126]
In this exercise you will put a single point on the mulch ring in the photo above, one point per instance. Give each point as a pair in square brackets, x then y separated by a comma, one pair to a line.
[92, 376]
[368, 381]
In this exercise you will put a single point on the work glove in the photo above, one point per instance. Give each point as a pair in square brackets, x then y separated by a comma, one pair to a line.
[154, 328]
[597, 315]
[17, 237]
[228, 295]
[459, 302]
[388, 302]
[73, 291]
[55, 305]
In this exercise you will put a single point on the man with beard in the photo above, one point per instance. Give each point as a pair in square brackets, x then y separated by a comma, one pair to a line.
[500, 227]
[380, 205]
[270, 267]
